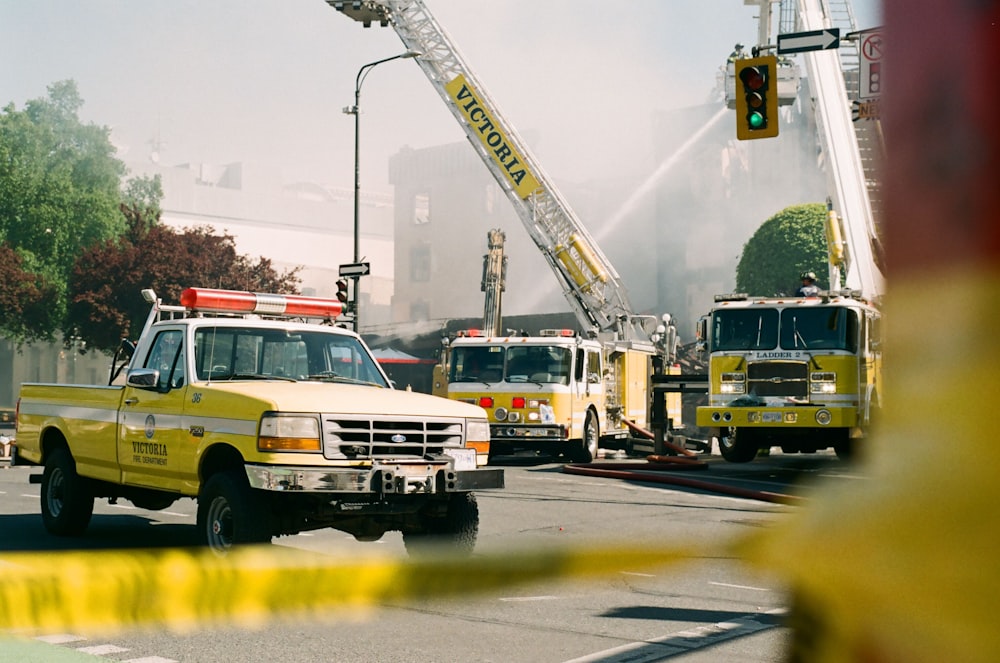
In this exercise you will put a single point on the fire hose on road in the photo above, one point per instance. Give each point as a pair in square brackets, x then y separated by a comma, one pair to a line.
[658, 469]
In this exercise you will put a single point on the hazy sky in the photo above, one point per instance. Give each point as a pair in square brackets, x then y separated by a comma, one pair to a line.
[266, 80]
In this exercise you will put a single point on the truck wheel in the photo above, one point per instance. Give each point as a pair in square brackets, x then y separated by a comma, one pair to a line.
[591, 440]
[231, 513]
[737, 445]
[456, 531]
[67, 502]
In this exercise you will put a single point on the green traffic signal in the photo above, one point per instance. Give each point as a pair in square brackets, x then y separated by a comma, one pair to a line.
[756, 97]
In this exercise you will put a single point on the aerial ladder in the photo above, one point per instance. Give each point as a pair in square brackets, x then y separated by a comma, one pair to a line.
[589, 281]
[854, 242]
[494, 277]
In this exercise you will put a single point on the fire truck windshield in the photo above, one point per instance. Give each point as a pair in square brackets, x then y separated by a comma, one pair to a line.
[805, 328]
[518, 363]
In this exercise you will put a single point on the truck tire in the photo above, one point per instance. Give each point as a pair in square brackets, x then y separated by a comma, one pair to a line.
[738, 445]
[231, 513]
[456, 531]
[67, 500]
[591, 440]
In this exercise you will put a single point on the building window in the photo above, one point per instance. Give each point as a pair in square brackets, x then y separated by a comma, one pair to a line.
[421, 209]
[420, 263]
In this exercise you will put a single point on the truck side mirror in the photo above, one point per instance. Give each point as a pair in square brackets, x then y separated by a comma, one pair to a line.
[143, 378]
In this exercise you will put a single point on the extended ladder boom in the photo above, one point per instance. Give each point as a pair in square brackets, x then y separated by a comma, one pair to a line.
[846, 169]
[590, 283]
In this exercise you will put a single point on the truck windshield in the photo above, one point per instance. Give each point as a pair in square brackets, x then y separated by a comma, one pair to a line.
[820, 328]
[517, 363]
[483, 363]
[538, 363]
[745, 329]
[254, 353]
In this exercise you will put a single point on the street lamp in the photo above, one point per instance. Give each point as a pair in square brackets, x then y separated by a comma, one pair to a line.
[355, 110]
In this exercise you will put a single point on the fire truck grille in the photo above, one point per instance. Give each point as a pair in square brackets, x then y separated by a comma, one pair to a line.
[358, 437]
[778, 378]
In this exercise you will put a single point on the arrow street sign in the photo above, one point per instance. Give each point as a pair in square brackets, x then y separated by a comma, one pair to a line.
[356, 269]
[815, 40]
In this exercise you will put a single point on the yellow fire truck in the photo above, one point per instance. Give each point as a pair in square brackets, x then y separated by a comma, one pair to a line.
[555, 392]
[802, 373]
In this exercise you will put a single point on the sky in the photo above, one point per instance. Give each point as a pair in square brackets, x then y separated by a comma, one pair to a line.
[267, 80]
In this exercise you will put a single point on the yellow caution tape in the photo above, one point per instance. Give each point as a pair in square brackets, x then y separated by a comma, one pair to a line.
[184, 589]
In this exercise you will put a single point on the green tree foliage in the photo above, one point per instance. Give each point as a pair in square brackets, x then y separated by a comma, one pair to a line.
[791, 242]
[106, 304]
[59, 193]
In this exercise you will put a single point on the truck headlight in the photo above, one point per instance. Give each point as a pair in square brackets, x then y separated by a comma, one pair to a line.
[476, 430]
[477, 436]
[288, 433]
[733, 383]
[824, 382]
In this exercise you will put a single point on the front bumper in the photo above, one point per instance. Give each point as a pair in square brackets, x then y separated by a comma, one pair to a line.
[388, 478]
[799, 416]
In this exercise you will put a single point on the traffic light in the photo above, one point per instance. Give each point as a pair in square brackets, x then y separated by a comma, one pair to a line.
[757, 97]
[342, 291]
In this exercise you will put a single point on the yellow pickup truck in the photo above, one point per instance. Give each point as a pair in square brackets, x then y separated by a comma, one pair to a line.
[275, 424]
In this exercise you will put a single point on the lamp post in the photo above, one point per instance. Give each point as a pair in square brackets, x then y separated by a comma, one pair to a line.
[355, 110]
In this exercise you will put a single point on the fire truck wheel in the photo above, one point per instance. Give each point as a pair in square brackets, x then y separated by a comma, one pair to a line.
[591, 439]
[737, 445]
[455, 531]
[230, 513]
[67, 501]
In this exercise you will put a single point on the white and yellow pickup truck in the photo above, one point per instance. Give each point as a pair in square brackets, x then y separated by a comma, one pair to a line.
[276, 425]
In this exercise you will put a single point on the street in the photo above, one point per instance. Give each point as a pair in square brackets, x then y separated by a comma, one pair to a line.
[711, 609]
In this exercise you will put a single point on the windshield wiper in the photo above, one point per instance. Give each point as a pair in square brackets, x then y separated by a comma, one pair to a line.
[253, 376]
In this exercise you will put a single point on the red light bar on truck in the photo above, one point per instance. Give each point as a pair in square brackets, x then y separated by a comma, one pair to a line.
[235, 301]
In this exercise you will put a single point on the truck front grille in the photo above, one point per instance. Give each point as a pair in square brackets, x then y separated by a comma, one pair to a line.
[778, 378]
[348, 436]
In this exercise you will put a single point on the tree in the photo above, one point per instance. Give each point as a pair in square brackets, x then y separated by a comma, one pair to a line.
[791, 242]
[59, 193]
[25, 298]
[105, 293]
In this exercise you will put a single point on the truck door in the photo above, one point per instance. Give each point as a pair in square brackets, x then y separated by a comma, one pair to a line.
[150, 435]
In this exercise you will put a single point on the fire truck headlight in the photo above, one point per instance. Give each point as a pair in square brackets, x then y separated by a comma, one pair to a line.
[823, 383]
[500, 414]
[823, 417]
[288, 433]
[733, 383]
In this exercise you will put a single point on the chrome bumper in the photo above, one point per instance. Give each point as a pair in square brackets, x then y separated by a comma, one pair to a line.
[395, 478]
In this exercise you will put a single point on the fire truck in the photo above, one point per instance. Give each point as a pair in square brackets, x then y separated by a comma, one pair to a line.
[805, 373]
[576, 389]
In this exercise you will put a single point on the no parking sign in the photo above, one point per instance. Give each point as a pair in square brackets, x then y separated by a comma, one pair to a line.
[870, 81]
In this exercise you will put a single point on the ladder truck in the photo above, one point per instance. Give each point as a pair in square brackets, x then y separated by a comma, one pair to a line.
[560, 391]
[805, 373]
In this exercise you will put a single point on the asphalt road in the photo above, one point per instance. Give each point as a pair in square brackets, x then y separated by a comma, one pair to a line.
[712, 609]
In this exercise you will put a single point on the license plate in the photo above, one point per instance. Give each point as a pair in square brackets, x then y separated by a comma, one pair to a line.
[771, 417]
[465, 459]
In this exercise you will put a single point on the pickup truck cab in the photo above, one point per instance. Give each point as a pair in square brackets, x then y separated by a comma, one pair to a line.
[275, 425]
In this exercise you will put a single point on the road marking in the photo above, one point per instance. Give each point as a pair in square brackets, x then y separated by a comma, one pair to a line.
[634, 573]
[101, 650]
[513, 599]
[726, 584]
[150, 659]
[60, 638]
[657, 649]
